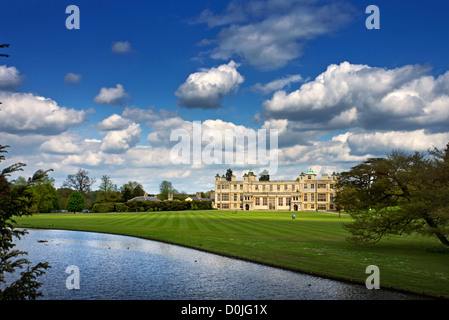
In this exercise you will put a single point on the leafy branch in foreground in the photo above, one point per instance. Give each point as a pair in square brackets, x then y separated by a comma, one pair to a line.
[16, 200]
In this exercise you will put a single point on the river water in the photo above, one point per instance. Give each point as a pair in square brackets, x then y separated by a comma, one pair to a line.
[114, 267]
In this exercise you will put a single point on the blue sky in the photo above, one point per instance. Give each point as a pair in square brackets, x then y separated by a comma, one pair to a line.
[107, 96]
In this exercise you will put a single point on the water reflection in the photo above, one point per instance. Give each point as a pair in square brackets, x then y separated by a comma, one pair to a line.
[120, 267]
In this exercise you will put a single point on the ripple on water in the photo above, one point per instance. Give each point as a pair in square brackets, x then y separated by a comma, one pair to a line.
[117, 267]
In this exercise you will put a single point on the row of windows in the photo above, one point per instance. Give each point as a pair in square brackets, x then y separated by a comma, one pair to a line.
[308, 197]
[271, 187]
[306, 206]
[280, 201]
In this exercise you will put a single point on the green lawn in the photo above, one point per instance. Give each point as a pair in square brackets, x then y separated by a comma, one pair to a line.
[313, 243]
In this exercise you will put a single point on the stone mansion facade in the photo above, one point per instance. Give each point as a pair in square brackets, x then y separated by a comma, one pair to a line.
[307, 193]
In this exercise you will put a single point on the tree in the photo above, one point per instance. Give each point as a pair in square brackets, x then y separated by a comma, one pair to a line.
[107, 191]
[107, 185]
[16, 200]
[44, 195]
[229, 175]
[264, 176]
[131, 189]
[164, 188]
[80, 181]
[76, 202]
[399, 194]
[62, 196]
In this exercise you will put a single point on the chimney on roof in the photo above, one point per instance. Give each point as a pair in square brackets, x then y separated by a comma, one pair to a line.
[170, 195]
[198, 195]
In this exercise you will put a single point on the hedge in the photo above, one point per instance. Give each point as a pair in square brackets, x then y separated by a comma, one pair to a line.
[101, 207]
[144, 206]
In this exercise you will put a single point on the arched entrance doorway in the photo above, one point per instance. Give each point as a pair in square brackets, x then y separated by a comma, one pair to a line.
[295, 207]
[246, 206]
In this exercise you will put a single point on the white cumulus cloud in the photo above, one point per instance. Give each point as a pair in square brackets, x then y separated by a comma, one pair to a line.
[62, 144]
[352, 95]
[111, 95]
[207, 88]
[114, 122]
[268, 34]
[9, 77]
[27, 113]
[118, 141]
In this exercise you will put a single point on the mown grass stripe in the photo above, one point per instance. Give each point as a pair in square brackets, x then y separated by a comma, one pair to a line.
[313, 242]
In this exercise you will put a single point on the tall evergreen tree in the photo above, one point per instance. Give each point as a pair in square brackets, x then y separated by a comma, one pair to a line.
[228, 175]
[16, 200]
[264, 176]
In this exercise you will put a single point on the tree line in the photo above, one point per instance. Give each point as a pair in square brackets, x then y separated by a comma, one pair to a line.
[76, 194]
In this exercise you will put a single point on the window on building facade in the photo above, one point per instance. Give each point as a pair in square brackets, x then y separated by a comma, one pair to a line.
[287, 201]
[321, 207]
[225, 206]
[285, 187]
[312, 186]
[305, 197]
[264, 201]
[280, 201]
[218, 197]
[321, 186]
[331, 197]
[225, 197]
[235, 196]
[279, 187]
[321, 197]
[312, 197]
[331, 186]
[257, 201]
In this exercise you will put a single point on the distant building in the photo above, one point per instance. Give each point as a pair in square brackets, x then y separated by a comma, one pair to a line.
[198, 197]
[305, 193]
[145, 197]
